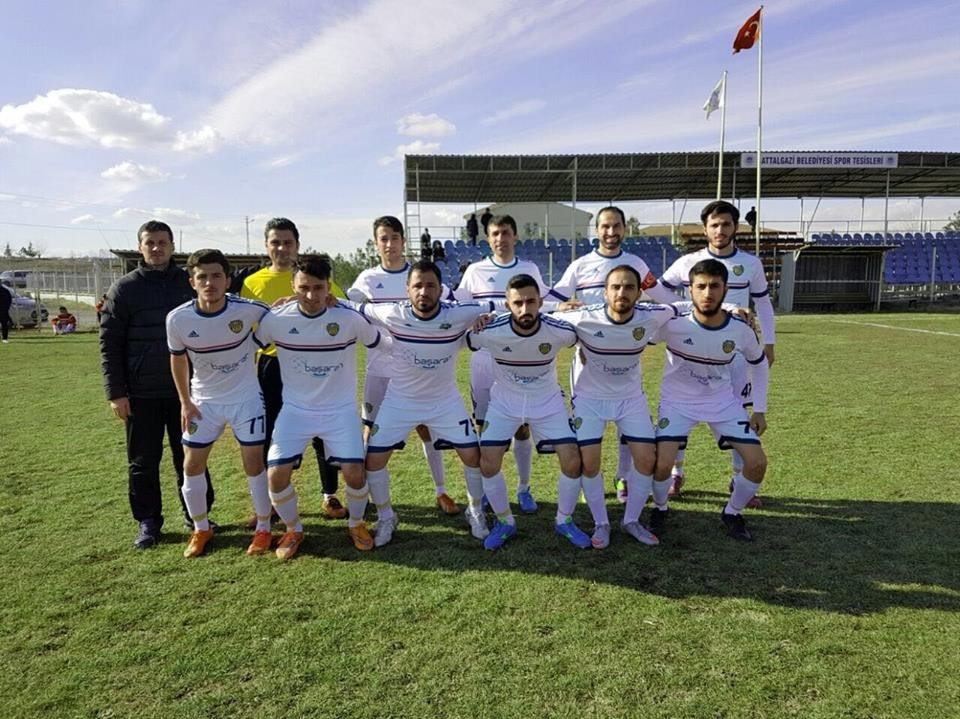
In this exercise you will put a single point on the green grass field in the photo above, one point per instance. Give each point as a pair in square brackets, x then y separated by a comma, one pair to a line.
[846, 605]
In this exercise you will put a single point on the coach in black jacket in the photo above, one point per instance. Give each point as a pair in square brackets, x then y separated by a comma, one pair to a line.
[136, 372]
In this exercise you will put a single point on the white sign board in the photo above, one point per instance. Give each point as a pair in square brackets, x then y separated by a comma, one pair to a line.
[852, 160]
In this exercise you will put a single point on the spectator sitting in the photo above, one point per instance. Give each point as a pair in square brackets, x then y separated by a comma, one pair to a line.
[64, 323]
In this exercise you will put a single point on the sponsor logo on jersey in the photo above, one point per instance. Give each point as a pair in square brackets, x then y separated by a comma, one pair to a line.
[507, 349]
[545, 348]
[379, 285]
[445, 326]
[192, 427]
[599, 333]
[663, 423]
[738, 270]
[333, 329]
[688, 341]
[293, 331]
[638, 333]
[728, 346]
[193, 333]
[235, 326]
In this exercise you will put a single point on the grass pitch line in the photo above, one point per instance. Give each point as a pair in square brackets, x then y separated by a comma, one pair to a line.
[894, 327]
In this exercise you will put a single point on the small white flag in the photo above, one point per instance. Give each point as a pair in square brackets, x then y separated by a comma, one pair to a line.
[715, 101]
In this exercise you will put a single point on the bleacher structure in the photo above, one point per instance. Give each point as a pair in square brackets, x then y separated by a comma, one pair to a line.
[914, 258]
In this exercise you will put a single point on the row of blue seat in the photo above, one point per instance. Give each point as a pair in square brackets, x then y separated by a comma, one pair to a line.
[881, 238]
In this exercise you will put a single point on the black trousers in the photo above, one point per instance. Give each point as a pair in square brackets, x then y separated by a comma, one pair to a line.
[271, 384]
[4, 323]
[149, 420]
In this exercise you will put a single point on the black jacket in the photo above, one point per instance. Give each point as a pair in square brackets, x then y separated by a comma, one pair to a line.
[6, 299]
[133, 332]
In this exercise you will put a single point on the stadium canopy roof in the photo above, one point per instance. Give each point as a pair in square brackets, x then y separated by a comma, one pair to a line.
[629, 177]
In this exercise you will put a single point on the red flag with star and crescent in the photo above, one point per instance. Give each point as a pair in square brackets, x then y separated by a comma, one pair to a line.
[748, 33]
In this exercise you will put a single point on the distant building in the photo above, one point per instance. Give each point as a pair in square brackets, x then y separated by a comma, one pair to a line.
[543, 220]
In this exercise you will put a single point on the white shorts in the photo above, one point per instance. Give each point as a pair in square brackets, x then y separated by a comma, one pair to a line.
[740, 378]
[731, 425]
[338, 427]
[631, 415]
[481, 380]
[549, 424]
[448, 421]
[245, 418]
[374, 389]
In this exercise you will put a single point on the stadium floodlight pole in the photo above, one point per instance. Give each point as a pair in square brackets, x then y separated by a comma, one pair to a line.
[756, 229]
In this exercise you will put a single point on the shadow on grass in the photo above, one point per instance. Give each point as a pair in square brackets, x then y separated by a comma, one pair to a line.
[846, 556]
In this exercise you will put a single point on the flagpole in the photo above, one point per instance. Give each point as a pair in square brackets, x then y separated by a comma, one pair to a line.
[723, 121]
[756, 231]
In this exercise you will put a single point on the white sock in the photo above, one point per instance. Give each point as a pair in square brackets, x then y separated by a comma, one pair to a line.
[593, 492]
[356, 503]
[660, 490]
[568, 492]
[678, 462]
[523, 455]
[379, 482]
[474, 486]
[285, 502]
[624, 463]
[495, 488]
[743, 491]
[194, 493]
[736, 461]
[260, 494]
[435, 462]
[639, 487]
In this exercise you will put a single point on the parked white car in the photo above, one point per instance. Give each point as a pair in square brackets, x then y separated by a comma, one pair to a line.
[24, 310]
[15, 278]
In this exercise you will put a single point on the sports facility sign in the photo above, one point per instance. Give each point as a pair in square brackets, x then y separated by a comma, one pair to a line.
[875, 160]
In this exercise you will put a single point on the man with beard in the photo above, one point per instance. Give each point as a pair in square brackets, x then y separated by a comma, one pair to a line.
[582, 283]
[747, 282]
[387, 283]
[524, 345]
[427, 335]
[698, 386]
[608, 388]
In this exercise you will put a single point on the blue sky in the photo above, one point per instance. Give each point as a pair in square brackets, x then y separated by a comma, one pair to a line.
[204, 113]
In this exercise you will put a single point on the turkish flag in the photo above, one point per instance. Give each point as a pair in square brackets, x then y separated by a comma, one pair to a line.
[748, 33]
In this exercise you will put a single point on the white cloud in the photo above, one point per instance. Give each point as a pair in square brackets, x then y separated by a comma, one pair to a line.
[281, 161]
[431, 125]
[166, 214]
[417, 147]
[132, 173]
[206, 139]
[526, 107]
[83, 220]
[86, 117]
[4, 140]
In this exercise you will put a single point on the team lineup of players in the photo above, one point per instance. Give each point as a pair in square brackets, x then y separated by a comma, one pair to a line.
[413, 327]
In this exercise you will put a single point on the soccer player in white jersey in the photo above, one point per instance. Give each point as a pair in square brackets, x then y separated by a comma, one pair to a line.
[316, 348]
[698, 386]
[388, 283]
[747, 281]
[524, 344]
[214, 333]
[582, 283]
[487, 280]
[608, 388]
[427, 335]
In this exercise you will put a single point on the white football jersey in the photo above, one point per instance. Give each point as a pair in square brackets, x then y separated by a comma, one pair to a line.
[380, 285]
[317, 353]
[699, 360]
[220, 346]
[425, 350]
[610, 351]
[524, 364]
[745, 279]
[486, 280]
[586, 276]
